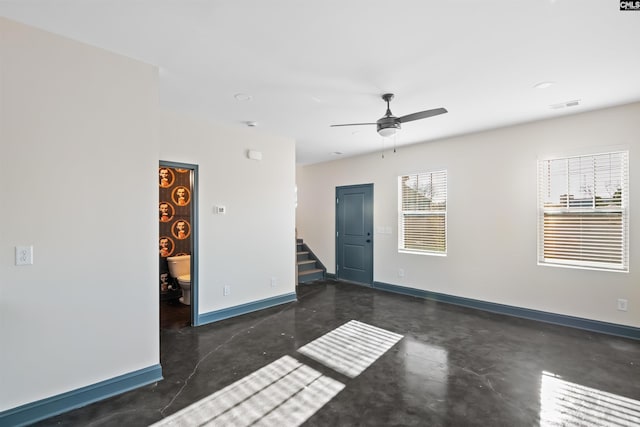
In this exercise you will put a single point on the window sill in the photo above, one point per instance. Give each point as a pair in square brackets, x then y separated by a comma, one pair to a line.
[584, 267]
[416, 252]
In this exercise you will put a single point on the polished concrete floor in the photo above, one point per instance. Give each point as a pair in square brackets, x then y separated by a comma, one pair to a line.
[174, 314]
[453, 366]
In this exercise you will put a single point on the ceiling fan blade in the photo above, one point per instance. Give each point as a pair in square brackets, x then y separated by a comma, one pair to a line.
[352, 124]
[422, 115]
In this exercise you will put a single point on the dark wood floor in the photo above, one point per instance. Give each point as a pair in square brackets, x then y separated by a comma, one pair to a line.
[174, 314]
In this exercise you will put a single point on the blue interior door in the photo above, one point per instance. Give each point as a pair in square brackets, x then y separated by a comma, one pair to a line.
[354, 233]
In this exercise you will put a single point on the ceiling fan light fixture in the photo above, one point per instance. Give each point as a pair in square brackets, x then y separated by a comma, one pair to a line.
[387, 132]
[388, 125]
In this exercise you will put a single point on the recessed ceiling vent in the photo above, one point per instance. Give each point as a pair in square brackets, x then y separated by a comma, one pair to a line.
[566, 104]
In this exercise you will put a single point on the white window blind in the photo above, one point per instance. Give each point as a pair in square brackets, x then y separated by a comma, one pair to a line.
[423, 212]
[582, 219]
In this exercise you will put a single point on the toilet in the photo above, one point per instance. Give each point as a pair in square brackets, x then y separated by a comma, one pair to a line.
[180, 269]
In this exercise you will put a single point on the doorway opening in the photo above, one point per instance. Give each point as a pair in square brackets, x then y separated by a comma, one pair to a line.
[354, 233]
[178, 244]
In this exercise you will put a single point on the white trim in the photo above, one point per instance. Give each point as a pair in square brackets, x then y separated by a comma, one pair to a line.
[417, 252]
[402, 214]
[578, 211]
[581, 267]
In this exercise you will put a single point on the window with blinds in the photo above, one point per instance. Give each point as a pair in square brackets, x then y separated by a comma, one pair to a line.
[423, 213]
[582, 219]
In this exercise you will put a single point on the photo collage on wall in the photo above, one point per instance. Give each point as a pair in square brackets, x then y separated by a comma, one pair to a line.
[174, 216]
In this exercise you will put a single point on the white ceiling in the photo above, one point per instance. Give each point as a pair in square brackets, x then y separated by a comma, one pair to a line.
[309, 64]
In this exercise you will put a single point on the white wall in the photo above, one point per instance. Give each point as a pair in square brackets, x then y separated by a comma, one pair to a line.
[492, 199]
[81, 134]
[76, 129]
[255, 240]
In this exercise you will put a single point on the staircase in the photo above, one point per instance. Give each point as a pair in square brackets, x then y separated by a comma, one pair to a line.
[309, 266]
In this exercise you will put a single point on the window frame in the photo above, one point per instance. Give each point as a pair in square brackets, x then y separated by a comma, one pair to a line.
[441, 212]
[579, 210]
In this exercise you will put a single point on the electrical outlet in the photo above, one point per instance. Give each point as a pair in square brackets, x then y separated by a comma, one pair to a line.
[401, 272]
[274, 282]
[226, 290]
[24, 255]
[622, 304]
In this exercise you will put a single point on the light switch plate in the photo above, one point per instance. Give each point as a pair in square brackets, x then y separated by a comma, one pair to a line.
[24, 255]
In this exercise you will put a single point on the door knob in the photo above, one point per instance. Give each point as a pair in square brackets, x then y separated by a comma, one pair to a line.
[368, 241]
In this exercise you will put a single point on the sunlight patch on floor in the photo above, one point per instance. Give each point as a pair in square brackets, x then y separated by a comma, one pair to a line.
[563, 403]
[351, 348]
[283, 393]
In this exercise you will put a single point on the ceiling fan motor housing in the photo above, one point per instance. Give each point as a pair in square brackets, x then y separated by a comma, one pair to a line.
[388, 123]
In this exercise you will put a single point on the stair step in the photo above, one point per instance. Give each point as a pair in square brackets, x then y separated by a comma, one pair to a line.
[306, 264]
[311, 271]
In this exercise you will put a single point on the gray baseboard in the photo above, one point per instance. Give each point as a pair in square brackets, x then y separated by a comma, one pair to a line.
[225, 313]
[542, 316]
[45, 408]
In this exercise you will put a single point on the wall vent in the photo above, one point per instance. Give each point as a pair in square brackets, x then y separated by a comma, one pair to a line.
[566, 104]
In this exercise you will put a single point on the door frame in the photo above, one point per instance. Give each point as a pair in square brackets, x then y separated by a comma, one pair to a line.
[335, 234]
[194, 233]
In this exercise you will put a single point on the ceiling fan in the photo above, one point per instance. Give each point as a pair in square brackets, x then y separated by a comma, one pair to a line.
[390, 124]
